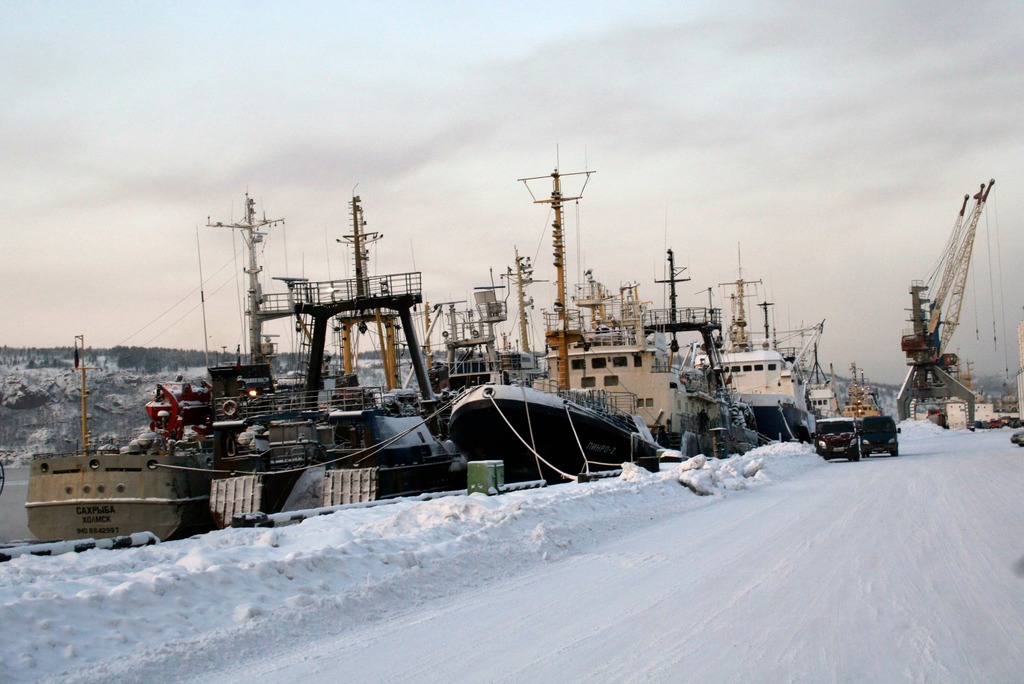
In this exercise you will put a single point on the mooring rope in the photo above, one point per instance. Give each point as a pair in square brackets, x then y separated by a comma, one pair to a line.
[529, 426]
[520, 438]
[785, 422]
[610, 465]
[586, 463]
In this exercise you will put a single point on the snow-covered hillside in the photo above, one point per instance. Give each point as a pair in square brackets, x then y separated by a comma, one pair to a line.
[40, 409]
[792, 569]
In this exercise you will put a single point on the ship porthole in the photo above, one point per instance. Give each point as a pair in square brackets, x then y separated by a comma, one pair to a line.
[67, 490]
[151, 465]
[120, 487]
[44, 467]
[94, 464]
[86, 489]
[101, 489]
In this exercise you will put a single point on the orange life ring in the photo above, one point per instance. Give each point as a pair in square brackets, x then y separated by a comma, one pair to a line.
[230, 408]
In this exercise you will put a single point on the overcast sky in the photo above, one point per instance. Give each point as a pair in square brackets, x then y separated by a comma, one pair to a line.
[830, 144]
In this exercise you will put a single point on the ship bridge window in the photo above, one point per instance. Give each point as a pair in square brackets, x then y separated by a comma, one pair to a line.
[649, 402]
[588, 381]
[771, 366]
[736, 369]
[747, 368]
[611, 380]
[759, 366]
[599, 362]
[638, 361]
[620, 361]
[578, 364]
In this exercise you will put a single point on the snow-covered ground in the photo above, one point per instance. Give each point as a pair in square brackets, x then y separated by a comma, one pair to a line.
[791, 569]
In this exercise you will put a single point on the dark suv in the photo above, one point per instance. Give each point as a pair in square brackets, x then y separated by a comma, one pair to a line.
[878, 435]
[836, 438]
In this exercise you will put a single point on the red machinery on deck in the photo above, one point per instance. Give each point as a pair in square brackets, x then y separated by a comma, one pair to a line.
[177, 405]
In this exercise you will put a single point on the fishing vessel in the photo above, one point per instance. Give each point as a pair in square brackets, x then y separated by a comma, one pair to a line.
[556, 436]
[767, 376]
[863, 399]
[159, 483]
[821, 392]
[822, 400]
[327, 440]
[552, 430]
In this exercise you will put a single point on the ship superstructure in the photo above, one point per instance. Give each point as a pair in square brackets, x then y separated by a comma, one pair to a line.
[768, 377]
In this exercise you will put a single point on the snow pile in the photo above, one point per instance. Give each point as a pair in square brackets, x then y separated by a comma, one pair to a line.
[89, 615]
[921, 429]
[705, 476]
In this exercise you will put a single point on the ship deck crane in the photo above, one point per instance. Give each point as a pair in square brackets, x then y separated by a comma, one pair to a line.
[934, 322]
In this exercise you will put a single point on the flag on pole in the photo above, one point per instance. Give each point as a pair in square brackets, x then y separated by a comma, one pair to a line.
[76, 354]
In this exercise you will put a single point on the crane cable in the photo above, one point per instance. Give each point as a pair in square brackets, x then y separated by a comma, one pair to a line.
[991, 285]
[1002, 300]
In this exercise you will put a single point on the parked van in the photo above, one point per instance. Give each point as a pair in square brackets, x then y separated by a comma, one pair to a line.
[836, 438]
[878, 435]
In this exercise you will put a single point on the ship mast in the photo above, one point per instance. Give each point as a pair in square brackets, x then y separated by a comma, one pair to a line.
[767, 329]
[524, 273]
[80, 366]
[738, 332]
[560, 336]
[360, 317]
[673, 278]
[249, 228]
[360, 240]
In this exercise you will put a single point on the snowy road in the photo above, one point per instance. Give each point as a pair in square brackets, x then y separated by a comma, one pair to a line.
[888, 570]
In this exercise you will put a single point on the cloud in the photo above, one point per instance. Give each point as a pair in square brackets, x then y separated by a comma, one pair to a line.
[832, 142]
